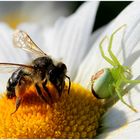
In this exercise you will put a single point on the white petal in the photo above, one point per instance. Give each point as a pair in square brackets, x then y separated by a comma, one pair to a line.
[94, 61]
[68, 39]
[119, 121]
[34, 31]
[129, 133]
[8, 53]
[89, 64]
[95, 35]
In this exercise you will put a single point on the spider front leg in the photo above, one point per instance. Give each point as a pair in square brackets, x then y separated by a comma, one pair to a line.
[114, 58]
[119, 91]
[102, 52]
[127, 81]
[131, 81]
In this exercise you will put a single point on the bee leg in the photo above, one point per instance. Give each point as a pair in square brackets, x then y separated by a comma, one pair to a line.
[40, 92]
[18, 101]
[59, 88]
[46, 89]
[62, 87]
[69, 83]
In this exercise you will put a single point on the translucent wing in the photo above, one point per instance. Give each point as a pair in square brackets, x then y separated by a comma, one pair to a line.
[10, 67]
[22, 40]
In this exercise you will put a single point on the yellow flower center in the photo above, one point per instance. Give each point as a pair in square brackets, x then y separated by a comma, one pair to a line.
[14, 19]
[74, 115]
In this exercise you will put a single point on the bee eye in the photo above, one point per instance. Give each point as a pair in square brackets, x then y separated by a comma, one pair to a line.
[61, 66]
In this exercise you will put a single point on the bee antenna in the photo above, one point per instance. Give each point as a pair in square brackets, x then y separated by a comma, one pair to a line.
[69, 83]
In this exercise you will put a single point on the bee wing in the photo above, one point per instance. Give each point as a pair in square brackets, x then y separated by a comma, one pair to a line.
[10, 67]
[5, 71]
[23, 40]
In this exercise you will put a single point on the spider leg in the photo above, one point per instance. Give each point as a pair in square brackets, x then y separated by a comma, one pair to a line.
[118, 91]
[39, 92]
[102, 52]
[114, 58]
[18, 101]
[132, 81]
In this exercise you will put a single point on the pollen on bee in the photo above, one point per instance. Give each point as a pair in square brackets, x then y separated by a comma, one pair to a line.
[74, 115]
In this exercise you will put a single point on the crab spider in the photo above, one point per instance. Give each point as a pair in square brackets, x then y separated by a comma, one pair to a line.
[110, 81]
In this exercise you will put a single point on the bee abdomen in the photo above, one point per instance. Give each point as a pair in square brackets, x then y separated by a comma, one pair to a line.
[12, 82]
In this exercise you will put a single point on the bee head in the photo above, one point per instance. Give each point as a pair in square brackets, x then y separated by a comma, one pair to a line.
[58, 72]
[61, 68]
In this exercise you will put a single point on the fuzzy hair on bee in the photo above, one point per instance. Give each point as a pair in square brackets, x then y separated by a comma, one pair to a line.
[42, 70]
[111, 81]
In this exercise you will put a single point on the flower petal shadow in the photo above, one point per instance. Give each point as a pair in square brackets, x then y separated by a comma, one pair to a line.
[117, 119]
[131, 59]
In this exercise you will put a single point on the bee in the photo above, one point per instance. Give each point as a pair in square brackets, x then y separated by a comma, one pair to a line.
[42, 70]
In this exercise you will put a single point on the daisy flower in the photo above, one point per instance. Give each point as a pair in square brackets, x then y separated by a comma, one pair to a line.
[15, 13]
[77, 115]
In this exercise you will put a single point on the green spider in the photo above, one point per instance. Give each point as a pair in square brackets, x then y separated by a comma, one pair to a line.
[108, 81]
